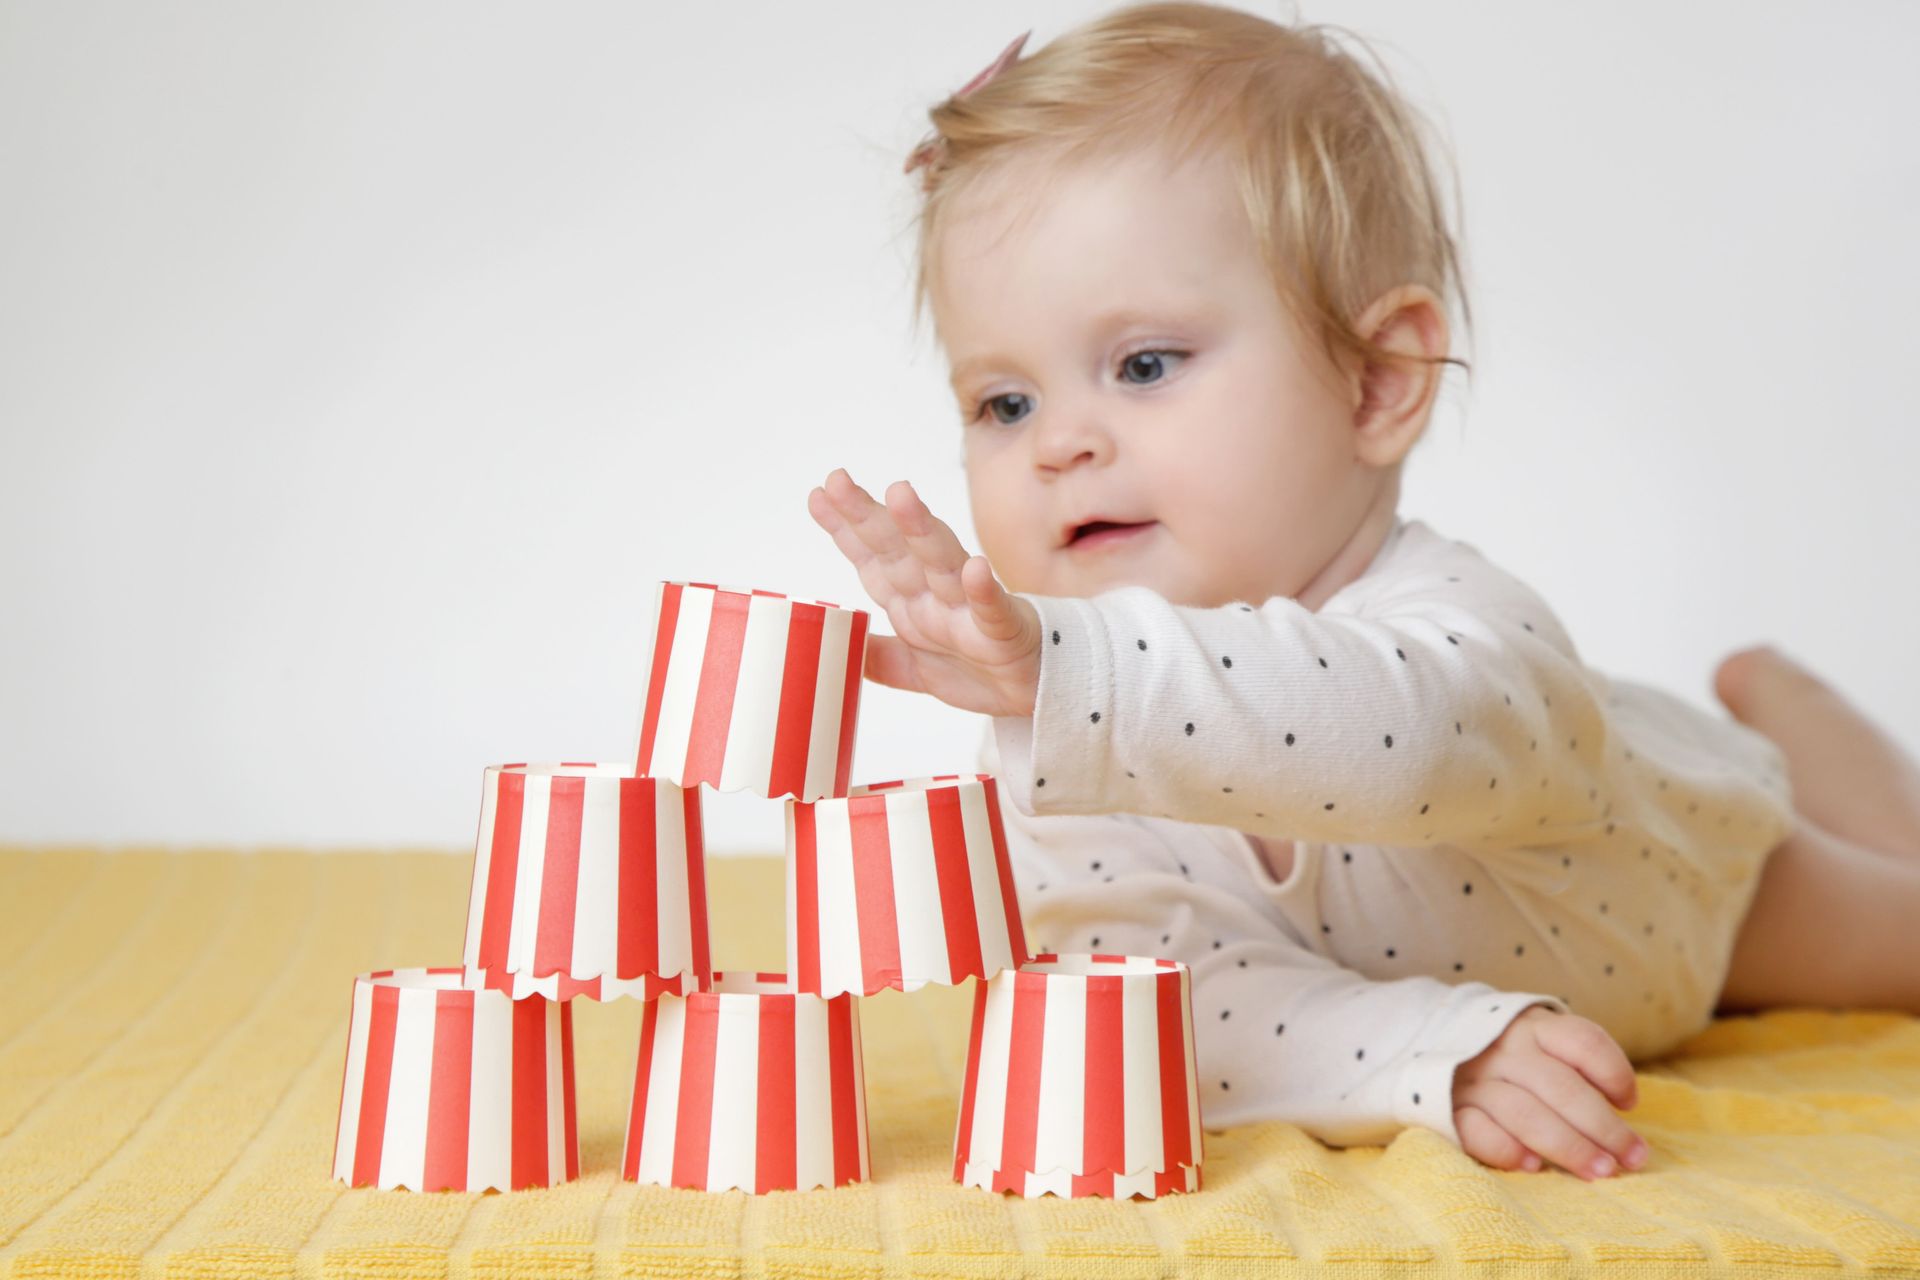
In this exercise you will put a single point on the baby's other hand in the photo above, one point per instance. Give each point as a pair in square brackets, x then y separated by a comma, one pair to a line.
[1548, 1085]
[958, 634]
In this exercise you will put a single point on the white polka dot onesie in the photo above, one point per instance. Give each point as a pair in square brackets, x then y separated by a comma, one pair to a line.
[1479, 823]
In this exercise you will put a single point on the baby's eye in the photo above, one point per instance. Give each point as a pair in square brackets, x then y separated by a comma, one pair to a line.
[1147, 364]
[997, 403]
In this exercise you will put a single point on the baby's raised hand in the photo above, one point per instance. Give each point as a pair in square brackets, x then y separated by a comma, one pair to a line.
[1548, 1085]
[958, 634]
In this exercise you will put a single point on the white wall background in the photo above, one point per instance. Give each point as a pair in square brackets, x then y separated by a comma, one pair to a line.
[363, 366]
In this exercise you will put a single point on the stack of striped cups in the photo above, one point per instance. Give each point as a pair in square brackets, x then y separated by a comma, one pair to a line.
[588, 881]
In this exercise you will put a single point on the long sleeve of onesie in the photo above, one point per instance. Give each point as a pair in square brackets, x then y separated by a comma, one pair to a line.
[1281, 1032]
[1414, 708]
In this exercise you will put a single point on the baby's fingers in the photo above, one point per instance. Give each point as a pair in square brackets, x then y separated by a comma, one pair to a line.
[1486, 1140]
[940, 552]
[1538, 1126]
[1584, 1046]
[995, 612]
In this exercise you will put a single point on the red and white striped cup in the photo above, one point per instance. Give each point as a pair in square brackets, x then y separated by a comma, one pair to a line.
[898, 884]
[448, 1089]
[587, 881]
[752, 690]
[1080, 1080]
[750, 1085]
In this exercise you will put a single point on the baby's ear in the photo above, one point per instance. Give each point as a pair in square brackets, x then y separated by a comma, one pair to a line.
[1394, 394]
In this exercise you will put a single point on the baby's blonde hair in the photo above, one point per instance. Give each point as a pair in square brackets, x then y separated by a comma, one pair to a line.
[1328, 159]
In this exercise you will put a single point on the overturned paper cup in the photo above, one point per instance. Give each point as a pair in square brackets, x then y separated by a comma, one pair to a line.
[750, 1085]
[587, 881]
[899, 884]
[449, 1089]
[1080, 1080]
[751, 690]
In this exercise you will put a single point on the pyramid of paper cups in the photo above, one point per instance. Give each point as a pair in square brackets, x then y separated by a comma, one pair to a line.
[588, 880]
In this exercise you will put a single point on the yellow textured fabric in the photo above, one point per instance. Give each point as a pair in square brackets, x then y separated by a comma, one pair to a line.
[172, 1027]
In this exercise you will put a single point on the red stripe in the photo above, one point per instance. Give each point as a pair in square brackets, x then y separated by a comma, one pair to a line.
[657, 679]
[963, 1133]
[697, 885]
[1095, 1184]
[693, 1132]
[1014, 1180]
[774, 1161]
[1023, 1072]
[1009, 900]
[572, 1133]
[639, 913]
[794, 731]
[503, 866]
[448, 1094]
[806, 895]
[1176, 1148]
[846, 1120]
[1174, 1179]
[719, 681]
[529, 1089]
[642, 1073]
[1105, 1117]
[953, 869]
[375, 1080]
[850, 700]
[873, 896]
[559, 876]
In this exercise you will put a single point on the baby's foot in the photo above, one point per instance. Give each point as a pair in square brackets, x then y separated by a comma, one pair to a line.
[1848, 776]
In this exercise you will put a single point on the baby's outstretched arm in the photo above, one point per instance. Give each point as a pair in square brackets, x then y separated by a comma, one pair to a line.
[1442, 706]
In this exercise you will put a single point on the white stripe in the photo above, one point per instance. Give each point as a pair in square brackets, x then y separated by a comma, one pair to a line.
[1041, 1181]
[529, 874]
[663, 1092]
[673, 910]
[1130, 1184]
[403, 1156]
[596, 910]
[1059, 1131]
[482, 859]
[996, 939]
[813, 1096]
[990, 1086]
[756, 695]
[916, 890]
[490, 1100]
[859, 1087]
[793, 895]
[736, 1095]
[829, 688]
[556, 1099]
[682, 677]
[839, 926]
[1140, 1074]
[348, 1134]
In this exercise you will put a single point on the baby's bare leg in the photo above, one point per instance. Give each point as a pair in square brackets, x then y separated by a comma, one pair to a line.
[1848, 775]
[1832, 925]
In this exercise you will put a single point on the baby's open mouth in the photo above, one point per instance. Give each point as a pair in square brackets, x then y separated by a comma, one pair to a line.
[1098, 533]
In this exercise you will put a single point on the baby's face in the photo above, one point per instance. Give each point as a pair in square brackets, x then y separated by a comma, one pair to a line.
[1120, 356]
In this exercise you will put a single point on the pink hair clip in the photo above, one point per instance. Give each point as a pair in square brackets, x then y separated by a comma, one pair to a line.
[924, 153]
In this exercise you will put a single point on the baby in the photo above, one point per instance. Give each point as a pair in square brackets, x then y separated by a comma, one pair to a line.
[1192, 281]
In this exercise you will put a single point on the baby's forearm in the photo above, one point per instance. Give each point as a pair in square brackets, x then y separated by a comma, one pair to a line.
[1435, 726]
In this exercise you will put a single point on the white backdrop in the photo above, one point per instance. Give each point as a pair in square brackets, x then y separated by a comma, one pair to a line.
[363, 366]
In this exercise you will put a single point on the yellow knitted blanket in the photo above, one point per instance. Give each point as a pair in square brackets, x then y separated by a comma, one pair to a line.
[172, 1027]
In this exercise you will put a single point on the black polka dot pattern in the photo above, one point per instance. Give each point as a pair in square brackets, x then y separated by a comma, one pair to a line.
[1348, 736]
